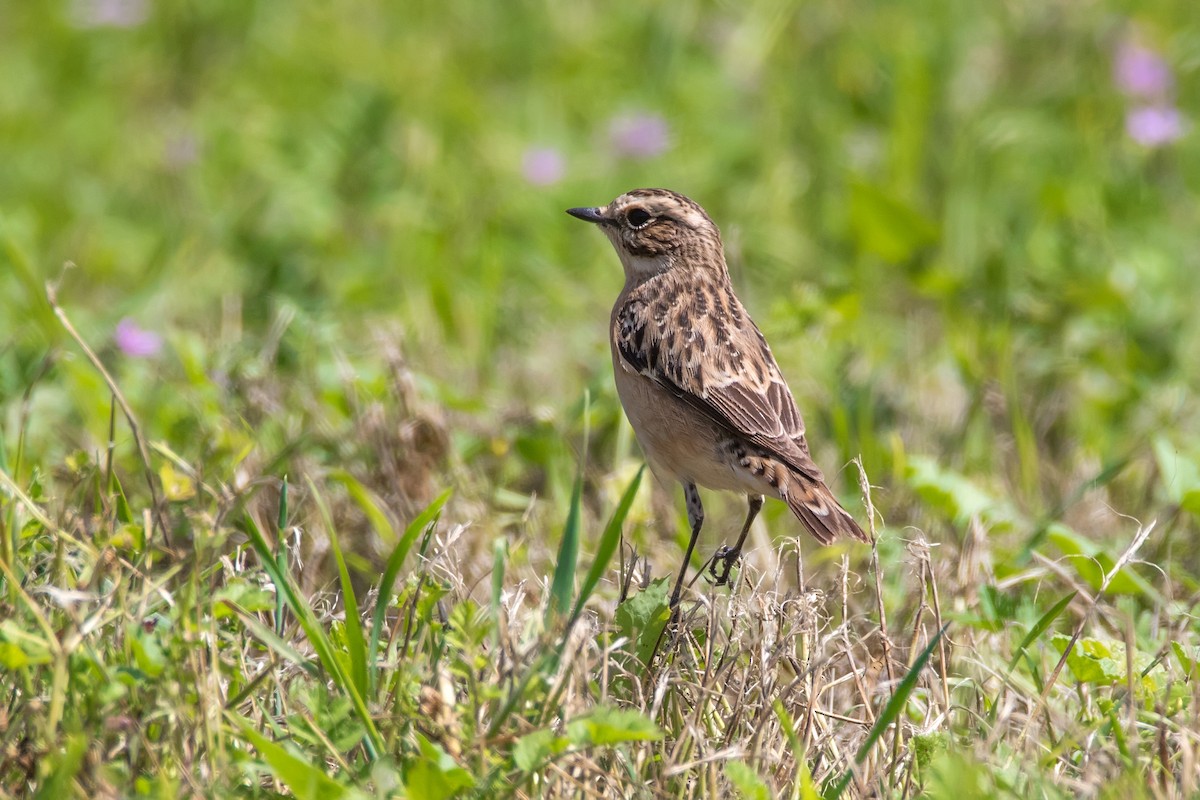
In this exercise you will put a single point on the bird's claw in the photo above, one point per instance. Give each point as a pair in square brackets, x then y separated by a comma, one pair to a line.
[728, 558]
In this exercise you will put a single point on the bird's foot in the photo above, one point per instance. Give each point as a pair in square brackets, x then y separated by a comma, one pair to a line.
[728, 558]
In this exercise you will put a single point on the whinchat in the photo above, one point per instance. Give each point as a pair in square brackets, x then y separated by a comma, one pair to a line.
[696, 377]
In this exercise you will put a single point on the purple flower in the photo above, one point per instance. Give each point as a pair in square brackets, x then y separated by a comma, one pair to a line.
[1154, 126]
[109, 13]
[1140, 71]
[135, 341]
[543, 166]
[181, 150]
[640, 135]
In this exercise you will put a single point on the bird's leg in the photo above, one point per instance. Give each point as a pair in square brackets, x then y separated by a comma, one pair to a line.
[695, 512]
[729, 556]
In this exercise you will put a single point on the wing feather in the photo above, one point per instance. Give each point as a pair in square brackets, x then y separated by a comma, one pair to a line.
[718, 363]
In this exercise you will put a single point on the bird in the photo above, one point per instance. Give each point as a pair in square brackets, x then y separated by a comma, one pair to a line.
[699, 385]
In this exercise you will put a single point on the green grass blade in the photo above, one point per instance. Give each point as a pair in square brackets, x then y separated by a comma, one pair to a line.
[891, 713]
[356, 641]
[281, 523]
[66, 765]
[563, 584]
[362, 497]
[423, 521]
[1039, 628]
[306, 781]
[267, 637]
[317, 636]
[281, 551]
[499, 559]
[609, 541]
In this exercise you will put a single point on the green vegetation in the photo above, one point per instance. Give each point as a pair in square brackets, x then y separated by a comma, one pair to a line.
[313, 481]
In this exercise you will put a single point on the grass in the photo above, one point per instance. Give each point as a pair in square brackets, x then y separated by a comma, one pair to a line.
[369, 521]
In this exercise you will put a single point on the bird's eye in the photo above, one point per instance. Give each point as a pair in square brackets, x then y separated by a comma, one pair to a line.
[637, 217]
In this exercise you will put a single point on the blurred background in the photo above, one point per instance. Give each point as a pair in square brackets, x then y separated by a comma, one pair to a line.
[308, 236]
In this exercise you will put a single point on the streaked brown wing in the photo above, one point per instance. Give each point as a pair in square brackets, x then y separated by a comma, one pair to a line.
[724, 370]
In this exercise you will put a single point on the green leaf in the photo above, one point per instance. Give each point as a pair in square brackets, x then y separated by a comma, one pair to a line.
[147, 653]
[997, 608]
[243, 594]
[421, 523]
[434, 774]
[356, 641]
[13, 657]
[1094, 660]
[304, 780]
[604, 726]
[268, 637]
[379, 521]
[177, 487]
[315, 633]
[747, 782]
[499, 560]
[1040, 627]
[609, 542]
[563, 584]
[64, 766]
[33, 649]
[886, 226]
[1180, 475]
[1188, 662]
[643, 616]
[891, 712]
[955, 495]
[808, 787]
[532, 750]
[1092, 563]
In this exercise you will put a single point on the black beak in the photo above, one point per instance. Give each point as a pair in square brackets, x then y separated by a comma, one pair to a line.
[587, 214]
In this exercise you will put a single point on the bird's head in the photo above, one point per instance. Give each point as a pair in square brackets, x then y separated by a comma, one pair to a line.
[657, 230]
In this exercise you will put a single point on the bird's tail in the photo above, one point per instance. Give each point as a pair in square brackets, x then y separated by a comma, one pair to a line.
[814, 504]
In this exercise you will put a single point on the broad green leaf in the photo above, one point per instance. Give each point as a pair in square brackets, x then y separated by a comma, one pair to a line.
[1094, 660]
[1092, 563]
[36, 650]
[13, 657]
[177, 486]
[304, 780]
[533, 749]
[808, 787]
[147, 652]
[642, 617]
[1180, 475]
[1189, 662]
[604, 726]
[434, 774]
[749, 784]
[956, 495]
[65, 764]
[243, 594]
